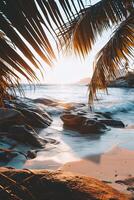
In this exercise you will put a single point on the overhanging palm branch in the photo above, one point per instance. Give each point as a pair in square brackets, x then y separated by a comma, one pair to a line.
[25, 26]
[82, 32]
[113, 56]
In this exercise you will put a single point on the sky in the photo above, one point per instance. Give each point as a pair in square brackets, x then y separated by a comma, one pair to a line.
[70, 68]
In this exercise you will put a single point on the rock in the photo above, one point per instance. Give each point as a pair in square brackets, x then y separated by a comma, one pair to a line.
[9, 117]
[23, 113]
[35, 119]
[125, 81]
[72, 120]
[26, 135]
[58, 104]
[28, 105]
[54, 185]
[112, 123]
[31, 154]
[120, 82]
[106, 115]
[45, 101]
[43, 114]
[82, 124]
[93, 126]
[34, 115]
[7, 156]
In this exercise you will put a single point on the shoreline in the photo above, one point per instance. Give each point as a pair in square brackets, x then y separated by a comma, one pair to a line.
[109, 167]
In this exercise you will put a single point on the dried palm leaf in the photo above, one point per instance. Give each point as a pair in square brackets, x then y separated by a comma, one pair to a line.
[113, 56]
[81, 33]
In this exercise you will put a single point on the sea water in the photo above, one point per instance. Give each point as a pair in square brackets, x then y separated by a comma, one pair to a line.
[71, 145]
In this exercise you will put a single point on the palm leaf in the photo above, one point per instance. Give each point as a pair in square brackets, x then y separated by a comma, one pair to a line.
[113, 56]
[25, 24]
[81, 32]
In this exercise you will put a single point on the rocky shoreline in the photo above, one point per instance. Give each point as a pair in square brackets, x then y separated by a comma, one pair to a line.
[22, 119]
[20, 123]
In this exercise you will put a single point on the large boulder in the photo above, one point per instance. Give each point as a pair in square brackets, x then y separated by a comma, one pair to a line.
[48, 185]
[82, 124]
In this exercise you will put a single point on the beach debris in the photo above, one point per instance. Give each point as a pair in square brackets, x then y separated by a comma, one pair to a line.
[127, 181]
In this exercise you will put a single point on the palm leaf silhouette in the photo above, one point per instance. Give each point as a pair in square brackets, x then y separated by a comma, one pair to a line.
[25, 26]
[83, 30]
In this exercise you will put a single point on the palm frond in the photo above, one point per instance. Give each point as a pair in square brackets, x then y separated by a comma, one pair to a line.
[113, 56]
[24, 26]
[81, 33]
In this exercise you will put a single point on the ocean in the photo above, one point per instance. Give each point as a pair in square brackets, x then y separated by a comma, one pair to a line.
[71, 145]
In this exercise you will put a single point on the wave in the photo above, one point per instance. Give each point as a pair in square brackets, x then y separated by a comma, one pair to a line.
[121, 107]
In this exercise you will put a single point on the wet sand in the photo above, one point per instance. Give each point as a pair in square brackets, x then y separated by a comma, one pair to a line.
[117, 164]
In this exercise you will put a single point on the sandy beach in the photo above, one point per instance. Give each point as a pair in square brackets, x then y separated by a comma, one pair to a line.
[117, 164]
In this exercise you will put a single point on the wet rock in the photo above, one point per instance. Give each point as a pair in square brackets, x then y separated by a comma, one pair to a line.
[58, 104]
[35, 119]
[31, 154]
[112, 123]
[29, 105]
[6, 156]
[82, 124]
[33, 111]
[106, 115]
[72, 120]
[93, 126]
[9, 117]
[120, 82]
[45, 101]
[26, 135]
[125, 81]
[43, 114]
